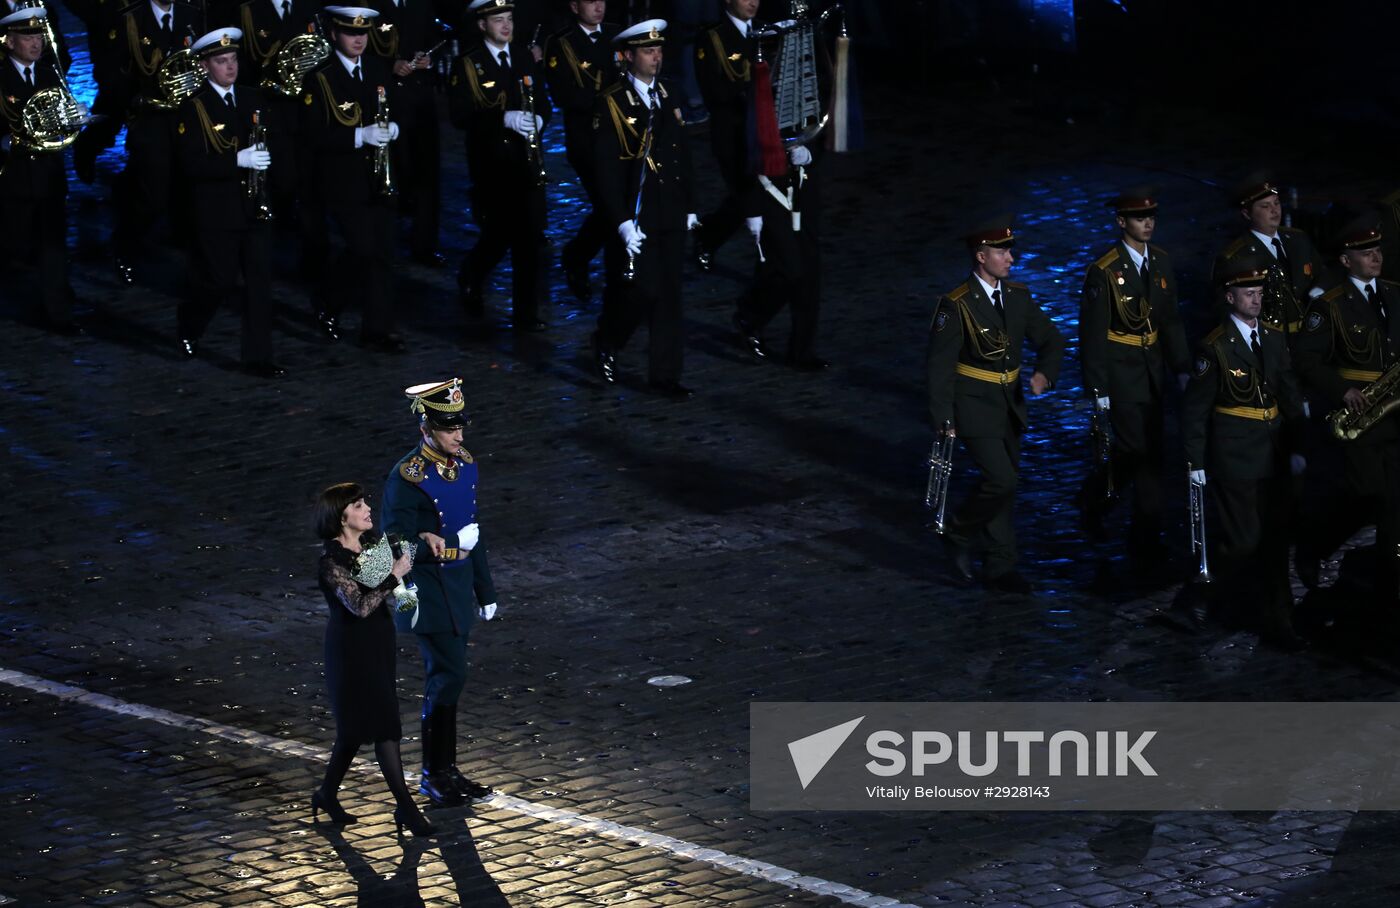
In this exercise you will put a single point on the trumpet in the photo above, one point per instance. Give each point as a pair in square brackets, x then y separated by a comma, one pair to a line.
[940, 470]
[532, 141]
[383, 169]
[1101, 434]
[257, 179]
[1197, 514]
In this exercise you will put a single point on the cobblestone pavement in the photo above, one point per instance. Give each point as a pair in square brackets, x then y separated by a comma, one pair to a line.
[763, 539]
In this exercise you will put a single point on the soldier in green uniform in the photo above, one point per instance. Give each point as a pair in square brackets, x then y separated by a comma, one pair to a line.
[1242, 416]
[1349, 340]
[430, 496]
[974, 380]
[1130, 334]
[1290, 250]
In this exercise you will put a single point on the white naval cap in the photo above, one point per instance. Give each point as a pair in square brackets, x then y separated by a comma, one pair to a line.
[219, 41]
[351, 17]
[25, 17]
[490, 7]
[644, 34]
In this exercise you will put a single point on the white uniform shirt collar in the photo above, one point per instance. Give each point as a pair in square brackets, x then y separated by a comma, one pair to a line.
[1268, 241]
[988, 288]
[1245, 329]
[348, 63]
[1362, 285]
[495, 50]
[221, 91]
[740, 24]
[590, 32]
[158, 13]
[1136, 256]
[20, 67]
[642, 87]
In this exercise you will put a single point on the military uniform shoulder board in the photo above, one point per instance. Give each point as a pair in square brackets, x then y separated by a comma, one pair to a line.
[1289, 231]
[1108, 258]
[466, 456]
[413, 468]
[958, 293]
[1334, 294]
[1235, 247]
[1313, 321]
[1017, 285]
[1214, 335]
[1383, 282]
[1157, 251]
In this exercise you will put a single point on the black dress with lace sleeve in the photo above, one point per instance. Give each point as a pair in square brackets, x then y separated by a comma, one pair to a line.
[360, 651]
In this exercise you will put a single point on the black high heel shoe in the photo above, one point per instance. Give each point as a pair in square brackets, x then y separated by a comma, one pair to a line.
[416, 823]
[334, 812]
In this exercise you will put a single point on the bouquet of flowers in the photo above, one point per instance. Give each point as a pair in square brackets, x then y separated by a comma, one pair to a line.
[376, 563]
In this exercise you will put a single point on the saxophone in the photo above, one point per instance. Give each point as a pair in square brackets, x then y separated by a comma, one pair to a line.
[257, 179]
[383, 168]
[1382, 398]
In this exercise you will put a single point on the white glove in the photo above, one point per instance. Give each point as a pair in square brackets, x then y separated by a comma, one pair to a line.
[522, 123]
[1297, 463]
[799, 156]
[393, 130]
[254, 159]
[632, 236]
[83, 111]
[467, 537]
[755, 226]
[1102, 403]
[487, 611]
[372, 135]
[692, 221]
[1198, 477]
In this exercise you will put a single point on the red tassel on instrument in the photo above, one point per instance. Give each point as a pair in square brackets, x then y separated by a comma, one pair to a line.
[772, 159]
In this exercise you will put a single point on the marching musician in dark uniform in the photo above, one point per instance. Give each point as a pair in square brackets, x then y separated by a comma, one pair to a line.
[487, 97]
[338, 112]
[646, 189]
[1290, 249]
[1241, 422]
[1130, 335]
[33, 181]
[1349, 340]
[268, 26]
[724, 55]
[218, 156]
[403, 37]
[788, 271]
[578, 65]
[143, 38]
[974, 381]
[430, 496]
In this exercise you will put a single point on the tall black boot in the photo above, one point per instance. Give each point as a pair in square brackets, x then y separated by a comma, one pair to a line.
[468, 789]
[435, 785]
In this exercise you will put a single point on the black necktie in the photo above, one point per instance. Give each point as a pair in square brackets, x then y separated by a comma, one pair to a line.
[1282, 258]
[505, 59]
[165, 27]
[996, 301]
[28, 77]
[228, 99]
[356, 73]
[748, 29]
[1372, 297]
[1258, 350]
[1146, 277]
[652, 102]
[286, 8]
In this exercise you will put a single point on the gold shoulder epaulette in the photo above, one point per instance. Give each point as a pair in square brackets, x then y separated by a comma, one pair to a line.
[1158, 250]
[1234, 248]
[1335, 293]
[1214, 335]
[1394, 284]
[1108, 258]
[1290, 231]
[958, 292]
[465, 456]
[413, 468]
[1017, 285]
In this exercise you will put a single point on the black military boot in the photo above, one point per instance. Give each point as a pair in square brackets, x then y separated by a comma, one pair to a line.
[435, 785]
[468, 789]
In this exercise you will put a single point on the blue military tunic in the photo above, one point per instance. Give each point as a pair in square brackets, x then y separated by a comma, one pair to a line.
[427, 491]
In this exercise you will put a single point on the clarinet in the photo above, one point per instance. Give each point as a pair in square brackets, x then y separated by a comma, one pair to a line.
[257, 179]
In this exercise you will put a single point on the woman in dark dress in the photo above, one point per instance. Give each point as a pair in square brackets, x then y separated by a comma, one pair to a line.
[360, 650]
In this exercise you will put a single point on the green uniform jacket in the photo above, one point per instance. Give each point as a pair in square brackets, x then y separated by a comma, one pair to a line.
[1304, 268]
[1236, 422]
[1342, 347]
[445, 603]
[1129, 334]
[974, 363]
